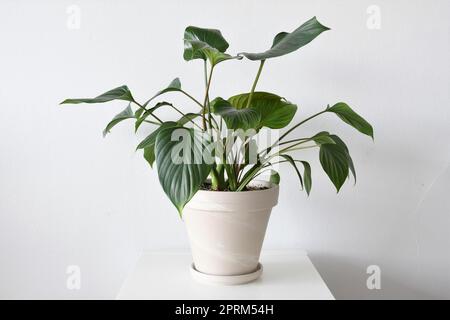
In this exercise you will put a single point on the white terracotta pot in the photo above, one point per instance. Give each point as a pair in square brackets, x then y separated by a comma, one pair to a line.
[226, 230]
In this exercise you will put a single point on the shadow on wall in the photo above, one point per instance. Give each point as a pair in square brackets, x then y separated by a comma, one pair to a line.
[416, 265]
[347, 279]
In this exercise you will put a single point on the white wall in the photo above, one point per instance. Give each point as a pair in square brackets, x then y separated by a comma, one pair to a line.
[70, 197]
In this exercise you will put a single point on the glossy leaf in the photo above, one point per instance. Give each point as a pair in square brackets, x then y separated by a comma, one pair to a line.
[180, 181]
[275, 112]
[149, 155]
[307, 176]
[215, 56]
[151, 138]
[341, 143]
[235, 118]
[120, 93]
[175, 85]
[334, 159]
[285, 43]
[148, 144]
[125, 114]
[322, 137]
[197, 40]
[278, 38]
[343, 111]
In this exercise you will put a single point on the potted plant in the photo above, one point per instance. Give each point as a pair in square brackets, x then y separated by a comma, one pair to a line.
[207, 160]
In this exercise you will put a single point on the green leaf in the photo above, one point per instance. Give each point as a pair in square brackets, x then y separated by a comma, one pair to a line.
[343, 111]
[138, 112]
[215, 56]
[120, 93]
[336, 161]
[175, 85]
[235, 118]
[151, 138]
[278, 38]
[149, 155]
[187, 118]
[322, 137]
[274, 177]
[148, 112]
[196, 40]
[285, 43]
[205, 44]
[275, 112]
[180, 181]
[148, 144]
[125, 114]
[341, 143]
[292, 162]
[307, 176]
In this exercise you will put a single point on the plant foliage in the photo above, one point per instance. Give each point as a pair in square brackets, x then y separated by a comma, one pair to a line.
[184, 168]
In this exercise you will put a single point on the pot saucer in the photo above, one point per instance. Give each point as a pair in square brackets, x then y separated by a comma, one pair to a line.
[226, 280]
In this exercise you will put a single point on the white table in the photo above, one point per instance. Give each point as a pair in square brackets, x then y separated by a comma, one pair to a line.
[166, 275]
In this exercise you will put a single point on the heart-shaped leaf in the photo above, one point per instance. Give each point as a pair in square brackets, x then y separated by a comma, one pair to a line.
[343, 111]
[196, 40]
[336, 161]
[125, 114]
[285, 43]
[180, 180]
[120, 93]
[235, 118]
[205, 44]
[275, 112]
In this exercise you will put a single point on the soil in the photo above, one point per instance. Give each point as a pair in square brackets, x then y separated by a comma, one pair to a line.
[207, 187]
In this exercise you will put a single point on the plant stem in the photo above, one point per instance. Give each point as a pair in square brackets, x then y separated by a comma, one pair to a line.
[267, 150]
[215, 183]
[192, 98]
[292, 129]
[293, 140]
[205, 72]
[261, 65]
[206, 99]
[299, 124]
[291, 148]
[143, 108]
[231, 177]
[152, 122]
[184, 115]
[300, 148]
[248, 176]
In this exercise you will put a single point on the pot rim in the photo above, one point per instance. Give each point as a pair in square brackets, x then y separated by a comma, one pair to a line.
[232, 201]
[270, 186]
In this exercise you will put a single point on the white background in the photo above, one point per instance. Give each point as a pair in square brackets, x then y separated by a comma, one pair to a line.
[70, 197]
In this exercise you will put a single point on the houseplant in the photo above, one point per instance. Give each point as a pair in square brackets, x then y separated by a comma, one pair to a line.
[207, 160]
